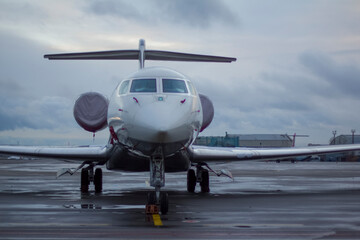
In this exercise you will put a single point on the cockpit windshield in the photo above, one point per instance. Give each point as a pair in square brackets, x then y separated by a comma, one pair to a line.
[174, 86]
[143, 85]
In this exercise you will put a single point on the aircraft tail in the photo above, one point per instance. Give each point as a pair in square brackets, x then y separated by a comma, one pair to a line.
[140, 55]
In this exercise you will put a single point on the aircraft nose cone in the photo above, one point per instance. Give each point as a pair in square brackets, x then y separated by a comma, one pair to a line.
[161, 125]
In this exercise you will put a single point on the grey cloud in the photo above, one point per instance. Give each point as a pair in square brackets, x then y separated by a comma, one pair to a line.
[8, 122]
[195, 13]
[274, 101]
[343, 78]
[39, 94]
[116, 8]
[201, 13]
[18, 11]
[267, 91]
[10, 87]
[347, 52]
[43, 113]
[25, 72]
[22, 89]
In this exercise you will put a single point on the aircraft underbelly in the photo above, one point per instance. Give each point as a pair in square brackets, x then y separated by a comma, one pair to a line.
[123, 160]
[148, 148]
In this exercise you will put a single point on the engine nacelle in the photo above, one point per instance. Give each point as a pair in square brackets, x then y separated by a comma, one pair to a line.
[90, 111]
[208, 111]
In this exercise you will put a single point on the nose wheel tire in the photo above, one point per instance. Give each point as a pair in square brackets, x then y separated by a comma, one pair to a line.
[164, 203]
[151, 198]
[191, 180]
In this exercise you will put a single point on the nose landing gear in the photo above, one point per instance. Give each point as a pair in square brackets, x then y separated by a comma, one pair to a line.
[154, 206]
[157, 179]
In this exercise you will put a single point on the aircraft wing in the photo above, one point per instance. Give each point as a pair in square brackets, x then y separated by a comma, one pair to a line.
[203, 153]
[88, 153]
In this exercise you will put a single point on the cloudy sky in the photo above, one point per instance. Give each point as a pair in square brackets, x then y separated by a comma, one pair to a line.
[297, 69]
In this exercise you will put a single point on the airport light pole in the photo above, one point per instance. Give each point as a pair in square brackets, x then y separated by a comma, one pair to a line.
[353, 134]
[334, 133]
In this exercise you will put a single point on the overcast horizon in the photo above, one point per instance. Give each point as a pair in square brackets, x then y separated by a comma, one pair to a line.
[297, 68]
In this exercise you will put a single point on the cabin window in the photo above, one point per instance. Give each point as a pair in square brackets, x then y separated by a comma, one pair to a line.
[143, 85]
[124, 87]
[174, 86]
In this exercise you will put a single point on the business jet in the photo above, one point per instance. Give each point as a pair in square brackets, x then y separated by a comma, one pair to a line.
[153, 117]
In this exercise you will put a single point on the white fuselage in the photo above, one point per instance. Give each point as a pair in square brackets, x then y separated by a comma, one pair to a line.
[155, 107]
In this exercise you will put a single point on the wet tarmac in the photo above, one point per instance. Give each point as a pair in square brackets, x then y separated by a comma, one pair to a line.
[308, 200]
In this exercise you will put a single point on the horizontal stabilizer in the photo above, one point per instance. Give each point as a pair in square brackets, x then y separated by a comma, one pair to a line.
[134, 55]
[103, 55]
[140, 55]
[177, 56]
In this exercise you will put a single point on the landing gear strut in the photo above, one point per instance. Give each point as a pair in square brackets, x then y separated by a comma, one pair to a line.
[88, 176]
[157, 180]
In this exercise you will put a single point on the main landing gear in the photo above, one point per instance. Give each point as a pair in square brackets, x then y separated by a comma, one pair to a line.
[88, 176]
[157, 199]
[201, 176]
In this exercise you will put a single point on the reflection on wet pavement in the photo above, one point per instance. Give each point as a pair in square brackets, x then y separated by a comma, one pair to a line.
[265, 200]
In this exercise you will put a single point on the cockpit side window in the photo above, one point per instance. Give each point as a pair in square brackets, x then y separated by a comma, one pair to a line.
[124, 87]
[191, 87]
[143, 85]
[174, 86]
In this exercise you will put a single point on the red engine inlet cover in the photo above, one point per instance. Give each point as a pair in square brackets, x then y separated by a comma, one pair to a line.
[208, 111]
[90, 111]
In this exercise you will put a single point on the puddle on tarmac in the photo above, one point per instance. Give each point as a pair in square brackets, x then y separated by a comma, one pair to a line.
[98, 207]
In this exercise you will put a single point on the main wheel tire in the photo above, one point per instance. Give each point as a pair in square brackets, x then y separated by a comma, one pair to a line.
[84, 181]
[164, 203]
[205, 181]
[191, 180]
[98, 180]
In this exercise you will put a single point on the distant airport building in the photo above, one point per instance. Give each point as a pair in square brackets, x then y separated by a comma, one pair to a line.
[344, 157]
[345, 139]
[246, 140]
